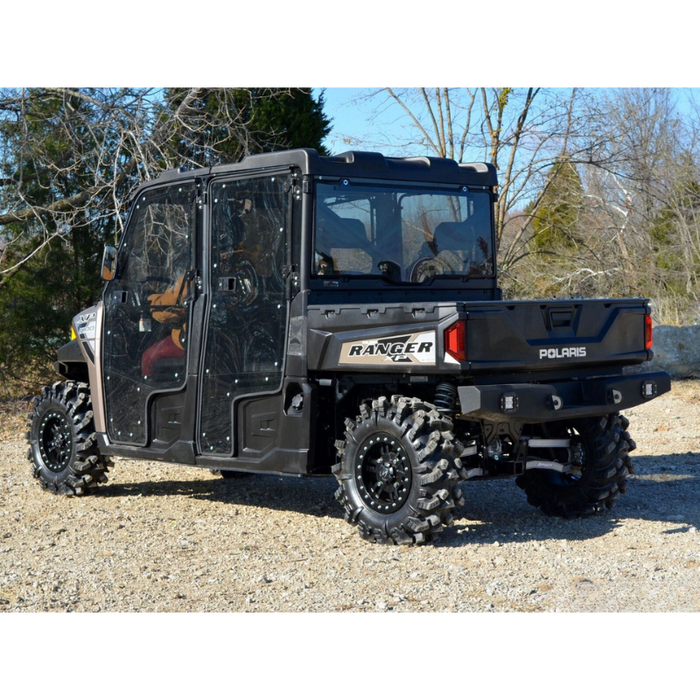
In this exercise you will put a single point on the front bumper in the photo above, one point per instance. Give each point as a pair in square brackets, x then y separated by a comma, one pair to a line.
[541, 403]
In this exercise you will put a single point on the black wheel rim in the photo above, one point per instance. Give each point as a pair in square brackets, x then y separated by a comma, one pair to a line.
[383, 473]
[55, 441]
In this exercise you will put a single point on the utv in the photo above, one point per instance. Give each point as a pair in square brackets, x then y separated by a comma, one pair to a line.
[307, 315]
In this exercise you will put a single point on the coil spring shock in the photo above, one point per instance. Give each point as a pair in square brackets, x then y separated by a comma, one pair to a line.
[446, 398]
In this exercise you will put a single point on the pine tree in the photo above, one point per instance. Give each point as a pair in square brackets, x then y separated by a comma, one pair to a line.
[555, 227]
[674, 257]
[223, 125]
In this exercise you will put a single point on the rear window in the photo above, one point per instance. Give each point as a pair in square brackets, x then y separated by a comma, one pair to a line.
[400, 233]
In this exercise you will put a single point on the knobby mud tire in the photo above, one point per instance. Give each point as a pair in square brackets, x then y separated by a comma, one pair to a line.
[603, 476]
[62, 440]
[414, 441]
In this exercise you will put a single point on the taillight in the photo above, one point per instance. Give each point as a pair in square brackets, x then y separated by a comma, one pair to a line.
[648, 332]
[455, 340]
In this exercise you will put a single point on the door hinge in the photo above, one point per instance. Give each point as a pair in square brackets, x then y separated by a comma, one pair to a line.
[196, 278]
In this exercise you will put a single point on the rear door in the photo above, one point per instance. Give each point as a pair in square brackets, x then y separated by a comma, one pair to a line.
[247, 317]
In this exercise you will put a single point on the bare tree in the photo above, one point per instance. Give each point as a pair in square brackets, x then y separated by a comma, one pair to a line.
[635, 152]
[521, 132]
[69, 161]
[70, 157]
[641, 185]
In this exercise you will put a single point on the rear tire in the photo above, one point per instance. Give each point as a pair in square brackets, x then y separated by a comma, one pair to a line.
[62, 441]
[398, 471]
[605, 445]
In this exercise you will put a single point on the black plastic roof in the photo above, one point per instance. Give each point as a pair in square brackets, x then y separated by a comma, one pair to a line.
[361, 164]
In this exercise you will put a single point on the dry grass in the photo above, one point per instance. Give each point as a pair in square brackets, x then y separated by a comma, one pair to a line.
[15, 399]
[33, 378]
[686, 389]
[13, 419]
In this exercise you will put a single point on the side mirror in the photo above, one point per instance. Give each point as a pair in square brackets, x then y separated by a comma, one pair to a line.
[109, 262]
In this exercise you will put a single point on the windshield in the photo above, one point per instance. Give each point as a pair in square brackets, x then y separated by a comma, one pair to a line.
[403, 234]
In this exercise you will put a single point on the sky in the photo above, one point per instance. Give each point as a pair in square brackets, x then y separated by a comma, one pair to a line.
[377, 121]
[364, 114]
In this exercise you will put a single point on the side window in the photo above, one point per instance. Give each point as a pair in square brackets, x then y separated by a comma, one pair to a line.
[147, 308]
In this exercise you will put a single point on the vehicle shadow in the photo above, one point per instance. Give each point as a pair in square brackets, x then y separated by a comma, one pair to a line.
[309, 496]
[665, 488]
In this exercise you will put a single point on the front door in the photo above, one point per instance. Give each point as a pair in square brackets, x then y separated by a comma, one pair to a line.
[147, 310]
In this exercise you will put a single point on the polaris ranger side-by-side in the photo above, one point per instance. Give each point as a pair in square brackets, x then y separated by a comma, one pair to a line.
[307, 315]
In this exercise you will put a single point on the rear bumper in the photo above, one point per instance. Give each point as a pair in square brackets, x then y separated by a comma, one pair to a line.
[541, 403]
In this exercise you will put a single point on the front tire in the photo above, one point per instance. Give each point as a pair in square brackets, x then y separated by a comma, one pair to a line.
[398, 471]
[62, 441]
[604, 445]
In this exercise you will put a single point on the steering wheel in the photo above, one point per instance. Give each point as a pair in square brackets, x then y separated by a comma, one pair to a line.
[426, 268]
[151, 285]
[247, 284]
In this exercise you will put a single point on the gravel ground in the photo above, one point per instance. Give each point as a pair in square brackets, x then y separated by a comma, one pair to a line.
[168, 538]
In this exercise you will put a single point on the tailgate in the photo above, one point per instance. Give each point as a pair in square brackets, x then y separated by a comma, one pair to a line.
[547, 335]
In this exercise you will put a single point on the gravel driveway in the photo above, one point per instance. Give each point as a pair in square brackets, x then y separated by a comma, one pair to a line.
[167, 538]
